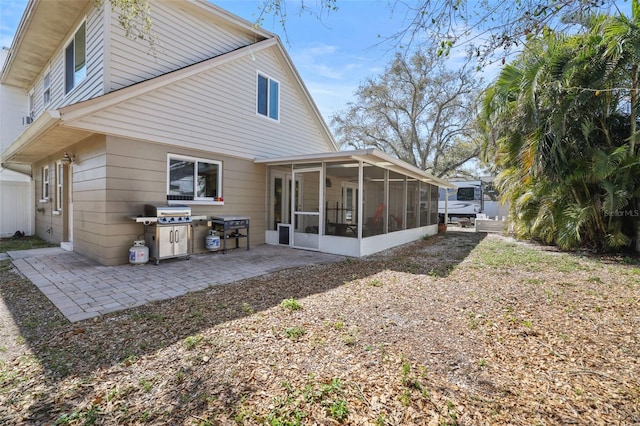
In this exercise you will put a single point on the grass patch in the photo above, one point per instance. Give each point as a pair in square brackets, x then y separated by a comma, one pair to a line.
[294, 333]
[290, 304]
[23, 243]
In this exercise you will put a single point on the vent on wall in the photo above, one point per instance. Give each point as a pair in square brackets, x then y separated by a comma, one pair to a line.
[27, 120]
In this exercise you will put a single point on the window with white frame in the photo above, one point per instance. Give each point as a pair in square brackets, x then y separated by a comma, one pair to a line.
[194, 179]
[46, 82]
[268, 97]
[45, 183]
[32, 105]
[59, 181]
[75, 59]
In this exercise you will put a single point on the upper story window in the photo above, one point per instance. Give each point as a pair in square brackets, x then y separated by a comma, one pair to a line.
[268, 97]
[32, 105]
[194, 179]
[75, 59]
[46, 82]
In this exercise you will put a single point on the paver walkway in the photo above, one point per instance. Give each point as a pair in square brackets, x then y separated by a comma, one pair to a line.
[81, 288]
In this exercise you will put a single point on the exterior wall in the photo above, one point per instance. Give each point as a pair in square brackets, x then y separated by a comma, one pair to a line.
[216, 111]
[183, 38]
[91, 86]
[16, 207]
[13, 106]
[135, 174]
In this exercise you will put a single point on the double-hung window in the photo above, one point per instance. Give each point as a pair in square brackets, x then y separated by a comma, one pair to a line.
[45, 183]
[32, 105]
[75, 59]
[268, 97]
[194, 179]
[59, 186]
[46, 83]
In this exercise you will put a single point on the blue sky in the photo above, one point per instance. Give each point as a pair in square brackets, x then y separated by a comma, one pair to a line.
[333, 55]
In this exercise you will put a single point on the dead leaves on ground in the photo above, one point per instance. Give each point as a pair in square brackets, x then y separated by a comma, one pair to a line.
[452, 330]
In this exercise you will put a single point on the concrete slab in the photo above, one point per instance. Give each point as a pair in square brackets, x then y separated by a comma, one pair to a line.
[82, 289]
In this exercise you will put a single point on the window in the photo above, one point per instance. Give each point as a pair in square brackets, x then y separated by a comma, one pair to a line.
[32, 106]
[75, 55]
[46, 96]
[268, 97]
[194, 179]
[59, 191]
[45, 183]
[466, 194]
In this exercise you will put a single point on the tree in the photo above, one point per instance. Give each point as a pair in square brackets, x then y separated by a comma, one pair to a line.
[559, 126]
[134, 17]
[491, 27]
[416, 110]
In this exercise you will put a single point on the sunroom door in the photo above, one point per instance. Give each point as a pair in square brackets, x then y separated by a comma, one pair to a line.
[305, 210]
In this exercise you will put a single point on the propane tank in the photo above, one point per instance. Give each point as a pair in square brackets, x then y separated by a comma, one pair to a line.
[212, 241]
[138, 253]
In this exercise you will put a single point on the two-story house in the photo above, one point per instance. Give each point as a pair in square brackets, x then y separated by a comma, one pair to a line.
[215, 117]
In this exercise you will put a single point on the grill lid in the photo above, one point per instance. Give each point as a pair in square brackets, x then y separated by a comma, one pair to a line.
[164, 210]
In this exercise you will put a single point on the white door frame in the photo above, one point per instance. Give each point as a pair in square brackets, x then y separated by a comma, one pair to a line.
[311, 241]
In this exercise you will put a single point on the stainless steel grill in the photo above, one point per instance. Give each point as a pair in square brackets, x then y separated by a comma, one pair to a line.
[168, 214]
[169, 232]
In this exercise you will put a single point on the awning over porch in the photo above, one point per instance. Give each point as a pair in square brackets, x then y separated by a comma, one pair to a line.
[370, 156]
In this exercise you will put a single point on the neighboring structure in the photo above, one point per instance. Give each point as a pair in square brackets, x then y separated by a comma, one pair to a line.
[16, 207]
[216, 117]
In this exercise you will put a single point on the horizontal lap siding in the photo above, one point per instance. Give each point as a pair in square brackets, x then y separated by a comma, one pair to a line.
[137, 176]
[182, 39]
[91, 86]
[215, 111]
[89, 178]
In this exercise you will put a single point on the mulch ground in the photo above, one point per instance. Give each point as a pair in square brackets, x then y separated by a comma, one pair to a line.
[461, 328]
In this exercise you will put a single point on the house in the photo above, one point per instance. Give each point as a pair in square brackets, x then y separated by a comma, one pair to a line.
[215, 116]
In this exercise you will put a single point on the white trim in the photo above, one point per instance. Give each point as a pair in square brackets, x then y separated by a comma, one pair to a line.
[269, 80]
[46, 184]
[65, 45]
[59, 186]
[45, 88]
[217, 200]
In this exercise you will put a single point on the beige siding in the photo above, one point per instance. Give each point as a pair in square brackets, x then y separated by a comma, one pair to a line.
[215, 111]
[89, 177]
[92, 85]
[183, 38]
[137, 175]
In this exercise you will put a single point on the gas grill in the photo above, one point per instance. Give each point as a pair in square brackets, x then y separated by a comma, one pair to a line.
[230, 227]
[168, 231]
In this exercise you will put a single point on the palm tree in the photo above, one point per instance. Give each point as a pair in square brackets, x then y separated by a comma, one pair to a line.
[622, 38]
[558, 125]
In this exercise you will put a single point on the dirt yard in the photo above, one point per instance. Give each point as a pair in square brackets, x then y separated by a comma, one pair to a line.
[458, 329]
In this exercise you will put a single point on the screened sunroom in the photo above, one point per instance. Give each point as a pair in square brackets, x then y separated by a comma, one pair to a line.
[352, 203]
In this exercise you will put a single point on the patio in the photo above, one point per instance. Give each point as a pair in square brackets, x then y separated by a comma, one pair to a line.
[81, 288]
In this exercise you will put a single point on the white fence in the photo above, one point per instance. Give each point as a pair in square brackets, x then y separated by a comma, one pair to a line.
[16, 207]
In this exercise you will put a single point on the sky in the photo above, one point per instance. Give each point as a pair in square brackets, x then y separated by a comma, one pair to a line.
[333, 55]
